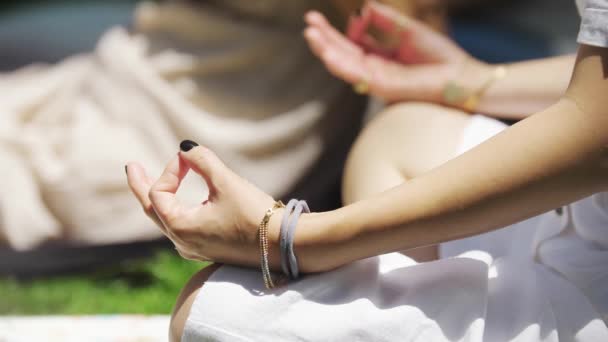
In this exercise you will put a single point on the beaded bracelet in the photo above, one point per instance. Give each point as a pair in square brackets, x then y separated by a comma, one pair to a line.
[263, 237]
[455, 94]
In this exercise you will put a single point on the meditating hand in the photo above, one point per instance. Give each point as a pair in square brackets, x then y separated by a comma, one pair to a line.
[413, 62]
[222, 228]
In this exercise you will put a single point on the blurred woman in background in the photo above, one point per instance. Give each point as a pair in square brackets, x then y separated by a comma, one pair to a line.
[236, 75]
[452, 96]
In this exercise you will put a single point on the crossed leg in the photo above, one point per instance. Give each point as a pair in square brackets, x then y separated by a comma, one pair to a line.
[402, 142]
[184, 302]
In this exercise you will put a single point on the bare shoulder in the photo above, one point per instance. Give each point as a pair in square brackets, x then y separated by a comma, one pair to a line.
[186, 298]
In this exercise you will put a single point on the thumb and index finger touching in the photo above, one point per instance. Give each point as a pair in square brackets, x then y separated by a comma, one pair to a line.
[191, 156]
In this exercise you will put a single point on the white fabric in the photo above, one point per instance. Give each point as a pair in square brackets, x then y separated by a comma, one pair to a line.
[543, 279]
[99, 328]
[594, 22]
[234, 78]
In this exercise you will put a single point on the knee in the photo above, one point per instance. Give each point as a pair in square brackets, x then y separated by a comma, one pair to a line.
[399, 143]
[393, 125]
[392, 129]
[374, 151]
[184, 302]
[407, 117]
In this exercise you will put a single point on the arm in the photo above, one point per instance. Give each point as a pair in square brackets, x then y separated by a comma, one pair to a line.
[549, 159]
[519, 95]
[425, 61]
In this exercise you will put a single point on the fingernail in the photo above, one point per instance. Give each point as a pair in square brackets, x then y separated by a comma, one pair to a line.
[187, 145]
[126, 173]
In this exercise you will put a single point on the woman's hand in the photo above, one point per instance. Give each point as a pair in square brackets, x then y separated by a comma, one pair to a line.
[413, 62]
[222, 228]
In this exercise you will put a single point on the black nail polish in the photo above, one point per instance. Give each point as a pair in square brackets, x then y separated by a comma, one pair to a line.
[126, 173]
[187, 145]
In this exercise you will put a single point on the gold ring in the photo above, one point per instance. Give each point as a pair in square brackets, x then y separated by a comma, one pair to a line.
[361, 87]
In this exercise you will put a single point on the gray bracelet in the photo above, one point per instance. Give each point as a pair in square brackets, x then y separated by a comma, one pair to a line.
[302, 206]
[283, 236]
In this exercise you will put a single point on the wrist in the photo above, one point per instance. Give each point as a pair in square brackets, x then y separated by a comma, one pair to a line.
[321, 241]
[308, 242]
[467, 83]
[274, 230]
[312, 243]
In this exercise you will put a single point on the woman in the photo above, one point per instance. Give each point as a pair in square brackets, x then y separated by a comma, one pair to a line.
[222, 71]
[550, 286]
[235, 74]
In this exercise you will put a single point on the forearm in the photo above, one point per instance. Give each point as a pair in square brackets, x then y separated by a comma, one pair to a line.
[503, 181]
[547, 160]
[527, 88]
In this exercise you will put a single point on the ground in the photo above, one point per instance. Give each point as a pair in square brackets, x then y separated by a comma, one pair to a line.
[147, 286]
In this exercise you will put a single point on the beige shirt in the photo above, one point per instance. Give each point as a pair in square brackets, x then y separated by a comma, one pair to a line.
[236, 76]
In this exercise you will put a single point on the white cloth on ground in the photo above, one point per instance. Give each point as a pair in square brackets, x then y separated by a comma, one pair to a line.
[594, 22]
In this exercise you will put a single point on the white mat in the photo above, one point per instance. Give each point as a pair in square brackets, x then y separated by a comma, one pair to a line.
[123, 328]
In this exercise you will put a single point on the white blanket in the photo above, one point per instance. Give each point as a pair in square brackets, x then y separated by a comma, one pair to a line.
[246, 87]
[102, 328]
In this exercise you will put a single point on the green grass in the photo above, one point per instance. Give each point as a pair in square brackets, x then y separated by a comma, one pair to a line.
[143, 287]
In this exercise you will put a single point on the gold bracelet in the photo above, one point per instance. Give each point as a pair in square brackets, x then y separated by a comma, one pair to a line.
[263, 236]
[456, 95]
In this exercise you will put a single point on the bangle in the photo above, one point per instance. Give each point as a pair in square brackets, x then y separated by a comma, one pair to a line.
[289, 261]
[283, 236]
[456, 95]
[302, 206]
[263, 236]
